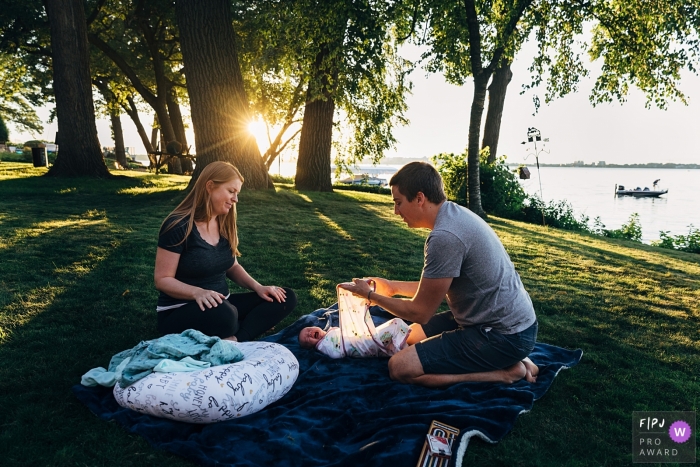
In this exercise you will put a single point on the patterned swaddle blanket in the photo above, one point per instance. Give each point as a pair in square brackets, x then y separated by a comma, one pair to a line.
[357, 336]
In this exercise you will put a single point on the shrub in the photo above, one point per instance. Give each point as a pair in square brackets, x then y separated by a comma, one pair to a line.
[632, 230]
[453, 169]
[282, 179]
[14, 157]
[559, 214]
[501, 194]
[689, 243]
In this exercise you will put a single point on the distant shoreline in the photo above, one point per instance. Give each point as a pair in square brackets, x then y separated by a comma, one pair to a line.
[649, 165]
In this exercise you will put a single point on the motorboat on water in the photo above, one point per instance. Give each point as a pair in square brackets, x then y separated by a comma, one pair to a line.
[638, 192]
[364, 179]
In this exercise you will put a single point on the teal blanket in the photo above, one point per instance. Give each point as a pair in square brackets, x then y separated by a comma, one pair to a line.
[131, 365]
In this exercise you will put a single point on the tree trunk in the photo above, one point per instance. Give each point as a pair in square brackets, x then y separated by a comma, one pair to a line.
[152, 162]
[118, 135]
[80, 153]
[176, 119]
[154, 133]
[179, 127]
[315, 142]
[115, 120]
[494, 114]
[477, 111]
[133, 113]
[218, 102]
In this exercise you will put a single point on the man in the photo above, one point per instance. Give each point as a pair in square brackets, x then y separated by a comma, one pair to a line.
[491, 327]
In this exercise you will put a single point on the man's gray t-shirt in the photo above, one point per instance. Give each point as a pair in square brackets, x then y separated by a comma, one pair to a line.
[486, 289]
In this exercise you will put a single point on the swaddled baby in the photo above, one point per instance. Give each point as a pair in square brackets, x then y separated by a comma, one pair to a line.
[390, 339]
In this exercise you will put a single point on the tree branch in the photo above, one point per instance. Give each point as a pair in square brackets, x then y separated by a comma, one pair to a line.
[118, 60]
[510, 28]
[95, 12]
[413, 22]
[474, 37]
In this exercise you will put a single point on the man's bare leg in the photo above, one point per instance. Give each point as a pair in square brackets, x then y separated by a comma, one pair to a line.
[417, 334]
[231, 338]
[406, 367]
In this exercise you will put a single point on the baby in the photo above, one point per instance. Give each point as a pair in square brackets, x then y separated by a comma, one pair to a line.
[390, 339]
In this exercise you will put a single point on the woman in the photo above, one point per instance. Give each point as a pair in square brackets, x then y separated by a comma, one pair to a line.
[197, 249]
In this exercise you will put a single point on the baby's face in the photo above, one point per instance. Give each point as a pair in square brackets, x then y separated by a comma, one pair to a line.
[309, 337]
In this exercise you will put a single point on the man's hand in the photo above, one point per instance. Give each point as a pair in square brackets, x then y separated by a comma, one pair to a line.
[383, 286]
[359, 287]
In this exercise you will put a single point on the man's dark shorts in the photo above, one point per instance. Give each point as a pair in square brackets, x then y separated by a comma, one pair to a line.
[453, 349]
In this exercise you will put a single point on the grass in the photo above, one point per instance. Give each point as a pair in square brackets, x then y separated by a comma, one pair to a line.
[76, 287]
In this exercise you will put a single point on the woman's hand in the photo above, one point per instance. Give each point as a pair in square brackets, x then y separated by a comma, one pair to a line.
[271, 293]
[208, 298]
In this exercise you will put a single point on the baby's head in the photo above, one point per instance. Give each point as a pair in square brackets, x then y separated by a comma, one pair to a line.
[309, 337]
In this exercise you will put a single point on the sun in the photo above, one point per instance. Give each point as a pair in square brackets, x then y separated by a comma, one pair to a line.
[258, 129]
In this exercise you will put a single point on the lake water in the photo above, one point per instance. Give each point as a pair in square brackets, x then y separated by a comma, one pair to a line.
[591, 191]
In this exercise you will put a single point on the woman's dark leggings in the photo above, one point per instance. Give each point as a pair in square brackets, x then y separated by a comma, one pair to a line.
[244, 315]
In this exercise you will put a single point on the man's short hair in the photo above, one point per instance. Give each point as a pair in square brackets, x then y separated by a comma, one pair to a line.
[417, 177]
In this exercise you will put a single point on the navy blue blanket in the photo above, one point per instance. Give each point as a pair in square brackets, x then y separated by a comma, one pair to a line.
[342, 412]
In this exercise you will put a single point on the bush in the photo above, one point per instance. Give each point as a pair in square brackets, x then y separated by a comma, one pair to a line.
[559, 214]
[501, 194]
[282, 179]
[689, 243]
[14, 157]
[632, 230]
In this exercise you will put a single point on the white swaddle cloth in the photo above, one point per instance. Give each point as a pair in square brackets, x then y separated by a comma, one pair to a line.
[357, 336]
[357, 333]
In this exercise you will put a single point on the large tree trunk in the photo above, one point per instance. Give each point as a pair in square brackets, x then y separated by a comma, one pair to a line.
[473, 181]
[79, 153]
[218, 102]
[118, 135]
[494, 114]
[315, 142]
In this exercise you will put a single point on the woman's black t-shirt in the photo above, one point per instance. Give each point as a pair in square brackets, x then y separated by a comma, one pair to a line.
[201, 264]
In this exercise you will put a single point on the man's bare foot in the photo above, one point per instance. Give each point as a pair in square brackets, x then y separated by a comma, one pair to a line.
[514, 373]
[531, 370]
[232, 339]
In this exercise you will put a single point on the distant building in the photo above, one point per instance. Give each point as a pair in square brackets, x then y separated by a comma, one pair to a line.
[601, 164]
[578, 164]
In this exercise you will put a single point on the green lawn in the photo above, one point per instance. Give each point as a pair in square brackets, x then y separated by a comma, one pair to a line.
[76, 287]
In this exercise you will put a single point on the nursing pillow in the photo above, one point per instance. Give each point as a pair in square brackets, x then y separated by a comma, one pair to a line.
[224, 392]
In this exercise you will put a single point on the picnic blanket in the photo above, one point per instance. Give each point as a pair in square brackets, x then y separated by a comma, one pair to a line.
[343, 412]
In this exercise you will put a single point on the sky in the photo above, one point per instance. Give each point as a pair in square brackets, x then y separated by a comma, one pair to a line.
[439, 119]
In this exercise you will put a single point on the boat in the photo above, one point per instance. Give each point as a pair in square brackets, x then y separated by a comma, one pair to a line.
[364, 179]
[638, 192]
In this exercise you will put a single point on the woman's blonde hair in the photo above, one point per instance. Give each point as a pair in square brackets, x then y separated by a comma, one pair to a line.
[197, 207]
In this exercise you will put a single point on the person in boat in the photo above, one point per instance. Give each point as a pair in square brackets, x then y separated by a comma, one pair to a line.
[491, 327]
